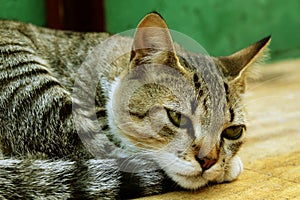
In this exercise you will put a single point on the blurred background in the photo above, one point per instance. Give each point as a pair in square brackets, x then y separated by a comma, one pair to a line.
[221, 27]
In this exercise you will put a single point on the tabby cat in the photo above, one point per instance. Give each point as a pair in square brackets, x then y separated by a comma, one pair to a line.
[161, 118]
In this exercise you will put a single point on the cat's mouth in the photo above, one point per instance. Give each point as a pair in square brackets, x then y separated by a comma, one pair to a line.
[198, 178]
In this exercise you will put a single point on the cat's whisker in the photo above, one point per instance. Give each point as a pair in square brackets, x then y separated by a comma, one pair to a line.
[237, 102]
[146, 147]
[125, 163]
[260, 84]
[260, 99]
[135, 168]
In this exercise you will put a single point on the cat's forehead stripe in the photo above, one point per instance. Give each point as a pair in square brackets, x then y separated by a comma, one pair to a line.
[196, 81]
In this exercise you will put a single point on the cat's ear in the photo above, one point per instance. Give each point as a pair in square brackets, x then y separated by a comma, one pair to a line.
[236, 65]
[152, 38]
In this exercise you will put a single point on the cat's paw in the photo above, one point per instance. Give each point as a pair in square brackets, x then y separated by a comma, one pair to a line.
[233, 169]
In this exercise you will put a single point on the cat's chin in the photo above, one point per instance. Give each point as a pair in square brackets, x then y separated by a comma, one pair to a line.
[216, 174]
[189, 182]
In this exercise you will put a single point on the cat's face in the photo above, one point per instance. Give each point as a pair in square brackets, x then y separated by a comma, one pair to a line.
[181, 109]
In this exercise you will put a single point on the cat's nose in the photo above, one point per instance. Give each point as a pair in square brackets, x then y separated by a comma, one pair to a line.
[206, 162]
[207, 159]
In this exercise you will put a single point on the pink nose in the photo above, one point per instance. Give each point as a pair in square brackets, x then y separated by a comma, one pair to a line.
[206, 163]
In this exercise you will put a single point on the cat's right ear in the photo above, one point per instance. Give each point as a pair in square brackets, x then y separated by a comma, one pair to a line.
[152, 37]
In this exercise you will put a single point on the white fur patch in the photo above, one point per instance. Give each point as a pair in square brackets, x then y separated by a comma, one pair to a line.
[235, 168]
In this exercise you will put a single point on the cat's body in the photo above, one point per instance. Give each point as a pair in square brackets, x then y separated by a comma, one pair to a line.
[42, 154]
[154, 106]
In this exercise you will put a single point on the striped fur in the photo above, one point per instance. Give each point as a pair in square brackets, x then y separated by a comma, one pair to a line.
[91, 179]
[35, 77]
[37, 66]
[46, 129]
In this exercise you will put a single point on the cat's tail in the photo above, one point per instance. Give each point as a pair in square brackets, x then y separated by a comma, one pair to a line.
[91, 179]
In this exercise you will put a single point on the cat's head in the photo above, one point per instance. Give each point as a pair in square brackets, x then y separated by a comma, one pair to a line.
[183, 109]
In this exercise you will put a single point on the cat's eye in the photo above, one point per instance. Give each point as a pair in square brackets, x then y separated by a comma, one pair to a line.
[233, 132]
[178, 119]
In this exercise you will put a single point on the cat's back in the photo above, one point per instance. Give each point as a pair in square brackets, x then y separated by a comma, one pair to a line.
[59, 48]
[37, 66]
[17, 29]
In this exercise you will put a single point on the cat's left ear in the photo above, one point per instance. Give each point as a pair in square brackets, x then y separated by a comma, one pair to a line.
[235, 66]
[152, 40]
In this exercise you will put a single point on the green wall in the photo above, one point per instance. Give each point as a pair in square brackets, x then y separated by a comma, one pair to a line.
[221, 27]
[23, 10]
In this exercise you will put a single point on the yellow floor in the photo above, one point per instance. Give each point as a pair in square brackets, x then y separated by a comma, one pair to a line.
[271, 154]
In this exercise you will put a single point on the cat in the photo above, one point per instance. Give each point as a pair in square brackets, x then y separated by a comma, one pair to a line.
[161, 119]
